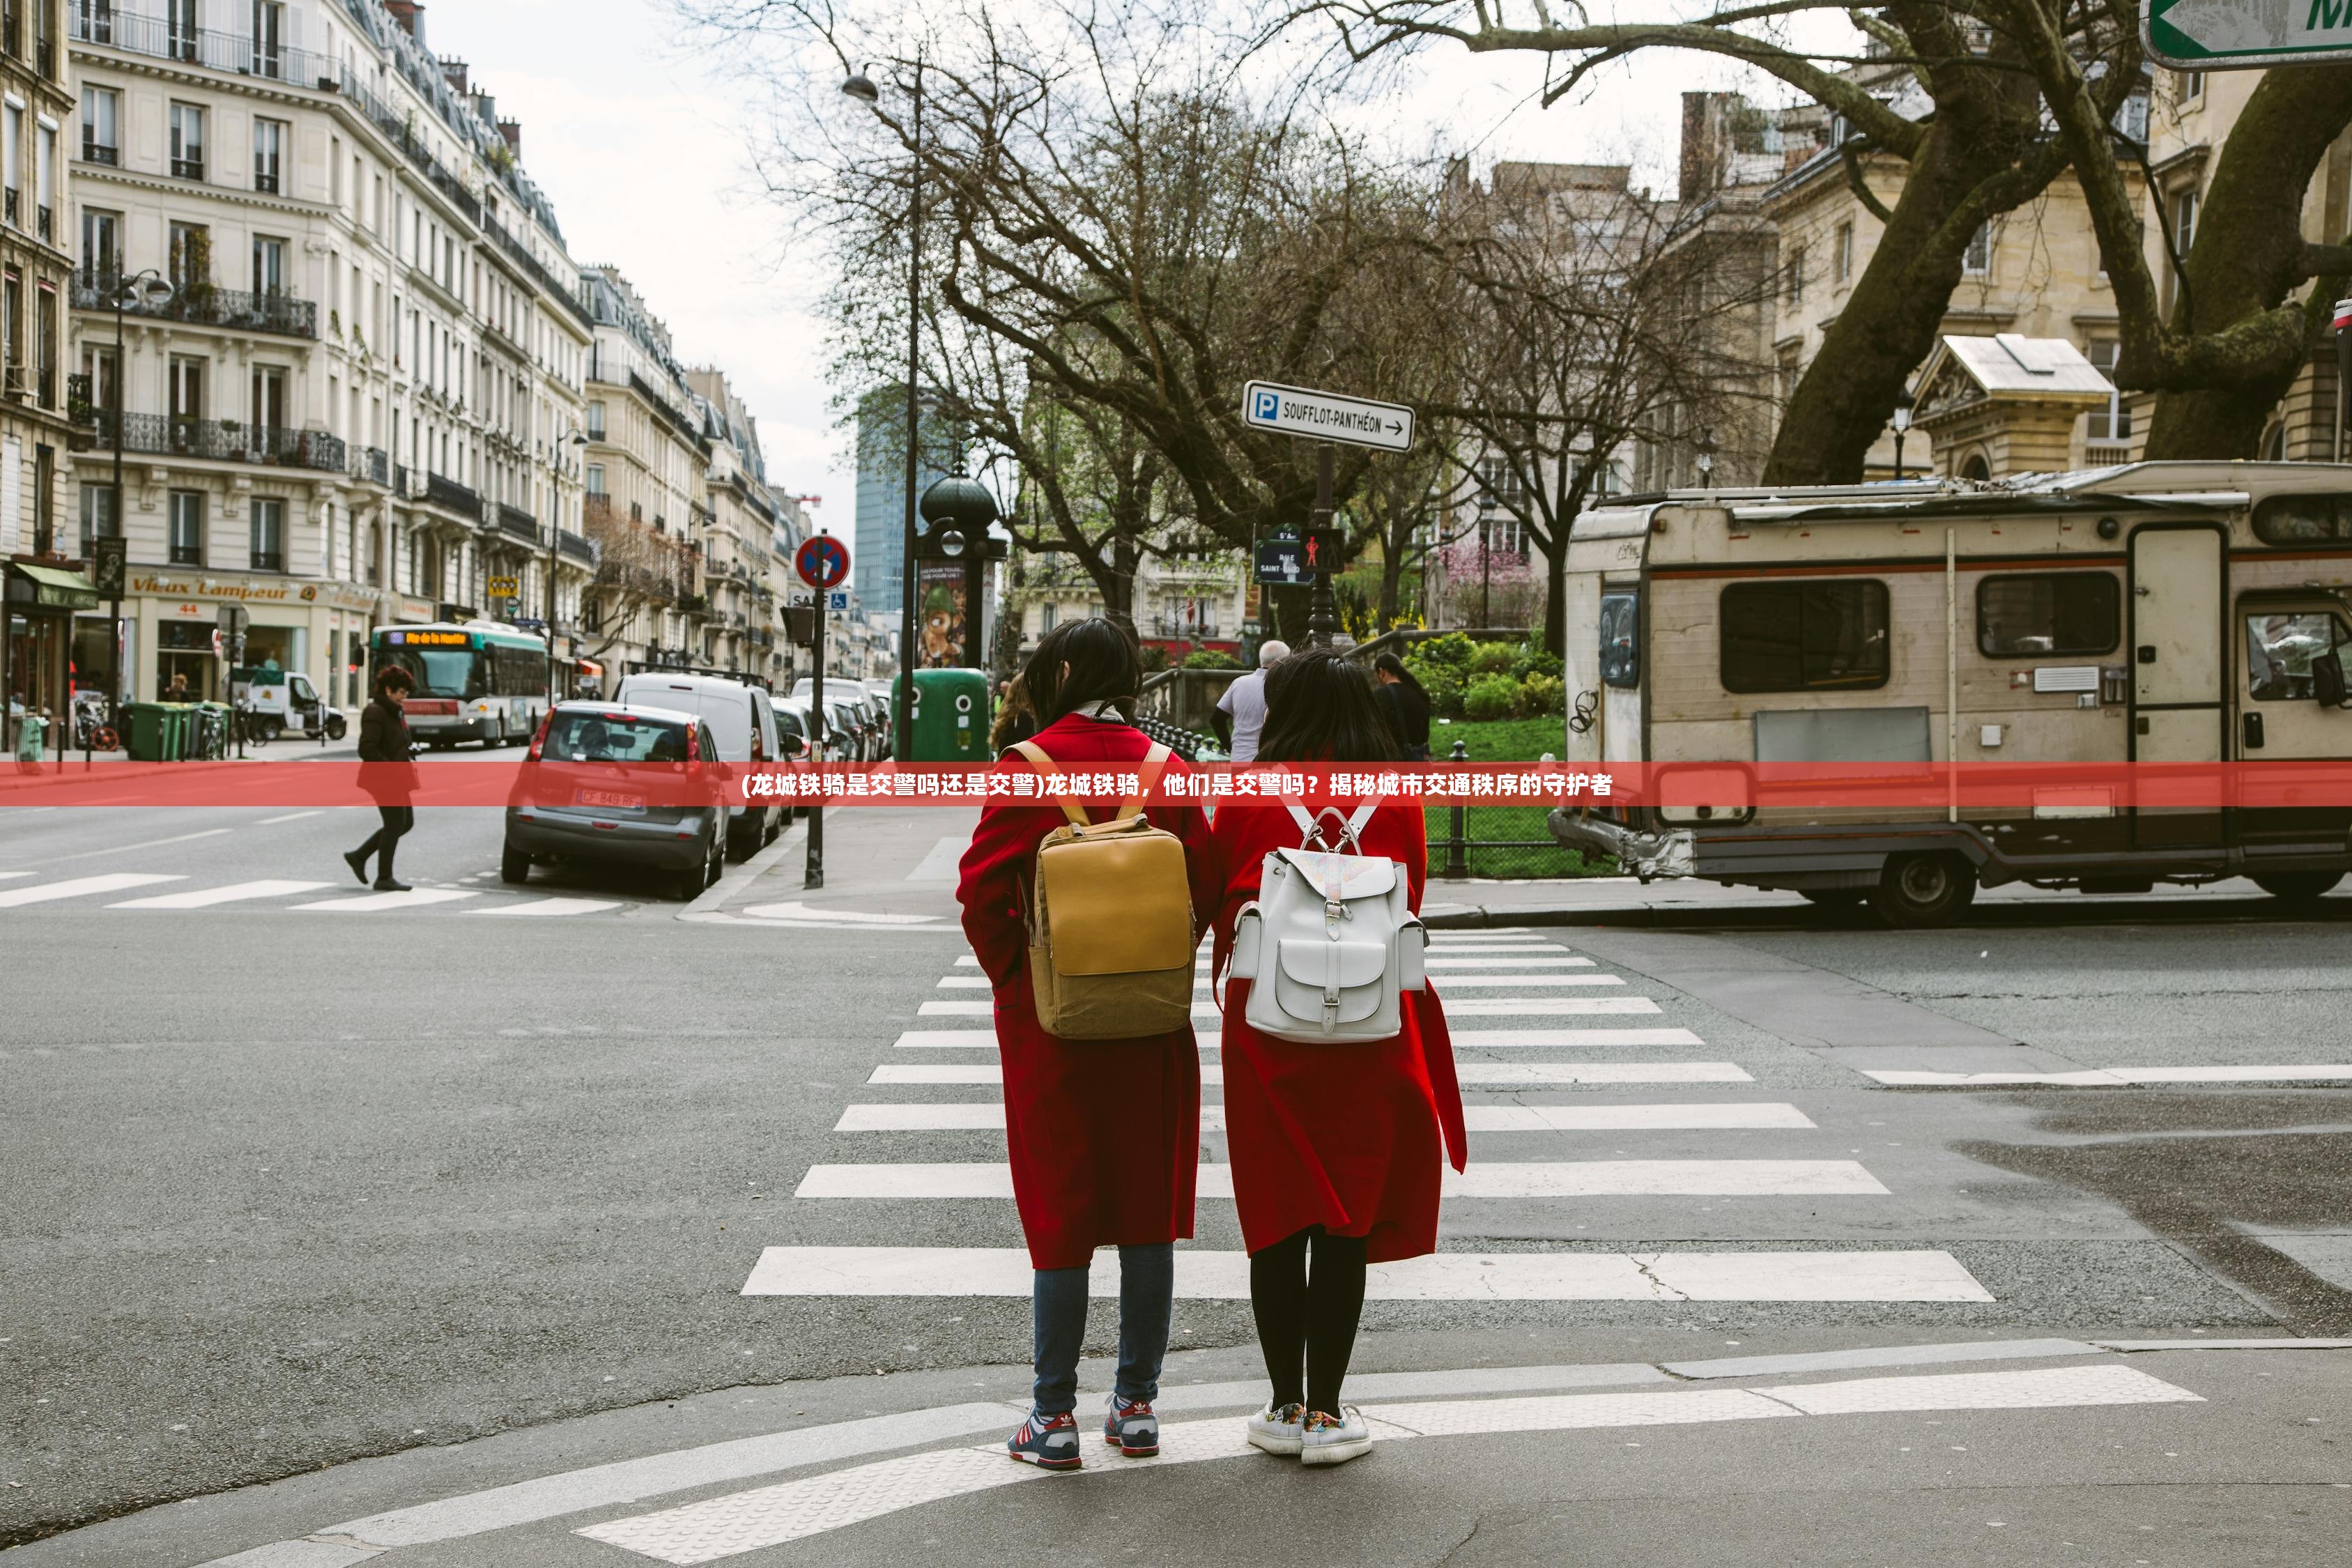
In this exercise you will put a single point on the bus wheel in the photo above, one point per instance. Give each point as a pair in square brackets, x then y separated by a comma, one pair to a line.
[1918, 891]
[2298, 887]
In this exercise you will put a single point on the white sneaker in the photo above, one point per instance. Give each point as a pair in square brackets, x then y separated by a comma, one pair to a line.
[1334, 1439]
[1276, 1428]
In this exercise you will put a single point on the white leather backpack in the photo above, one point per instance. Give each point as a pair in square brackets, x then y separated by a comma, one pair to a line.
[1330, 943]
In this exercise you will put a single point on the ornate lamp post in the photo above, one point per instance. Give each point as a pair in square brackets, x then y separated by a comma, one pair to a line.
[1903, 405]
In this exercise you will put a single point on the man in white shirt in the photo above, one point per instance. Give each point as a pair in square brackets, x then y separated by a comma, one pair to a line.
[1241, 712]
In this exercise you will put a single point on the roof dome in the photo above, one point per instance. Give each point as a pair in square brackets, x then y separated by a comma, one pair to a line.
[960, 501]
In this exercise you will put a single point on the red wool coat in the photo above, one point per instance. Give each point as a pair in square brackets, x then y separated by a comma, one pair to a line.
[1103, 1135]
[1349, 1137]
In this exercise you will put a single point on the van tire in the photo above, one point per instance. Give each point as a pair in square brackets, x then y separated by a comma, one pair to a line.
[1918, 892]
[2298, 887]
[746, 849]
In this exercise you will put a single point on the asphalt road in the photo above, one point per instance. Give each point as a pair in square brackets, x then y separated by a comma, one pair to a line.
[289, 1186]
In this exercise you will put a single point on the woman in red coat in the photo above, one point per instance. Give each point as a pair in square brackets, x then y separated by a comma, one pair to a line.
[1339, 1146]
[1103, 1135]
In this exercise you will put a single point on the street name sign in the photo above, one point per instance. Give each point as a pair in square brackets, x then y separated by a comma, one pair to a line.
[1330, 415]
[2240, 35]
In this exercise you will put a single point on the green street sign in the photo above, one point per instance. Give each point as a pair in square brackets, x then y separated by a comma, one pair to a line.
[2245, 35]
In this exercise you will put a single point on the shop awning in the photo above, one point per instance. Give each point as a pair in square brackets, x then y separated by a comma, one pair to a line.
[49, 587]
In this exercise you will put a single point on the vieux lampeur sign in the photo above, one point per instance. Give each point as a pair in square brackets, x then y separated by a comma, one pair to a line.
[2228, 35]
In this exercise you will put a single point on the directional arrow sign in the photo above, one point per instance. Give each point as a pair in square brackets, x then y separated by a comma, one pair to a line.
[2229, 35]
[1329, 417]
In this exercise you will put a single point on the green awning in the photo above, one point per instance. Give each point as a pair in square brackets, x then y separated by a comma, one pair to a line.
[54, 589]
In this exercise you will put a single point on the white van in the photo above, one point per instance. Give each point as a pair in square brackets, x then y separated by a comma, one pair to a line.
[742, 722]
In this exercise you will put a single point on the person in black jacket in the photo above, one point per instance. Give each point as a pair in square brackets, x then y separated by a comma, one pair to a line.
[384, 742]
[1407, 705]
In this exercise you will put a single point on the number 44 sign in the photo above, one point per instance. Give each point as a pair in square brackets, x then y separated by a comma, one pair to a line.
[2236, 35]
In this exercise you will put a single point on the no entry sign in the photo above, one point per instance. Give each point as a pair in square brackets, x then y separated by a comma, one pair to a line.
[822, 561]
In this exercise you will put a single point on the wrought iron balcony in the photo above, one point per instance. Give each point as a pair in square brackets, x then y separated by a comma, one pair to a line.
[8, 206]
[46, 225]
[202, 304]
[188, 169]
[219, 440]
[576, 547]
[514, 520]
[449, 493]
[370, 465]
[164, 39]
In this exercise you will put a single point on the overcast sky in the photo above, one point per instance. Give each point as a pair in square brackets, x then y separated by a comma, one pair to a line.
[643, 145]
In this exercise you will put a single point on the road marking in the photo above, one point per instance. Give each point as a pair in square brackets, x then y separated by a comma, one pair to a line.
[967, 960]
[965, 983]
[375, 903]
[1455, 981]
[148, 844]
[1439, 961]
[800, 911]
[988, 1116]
[943, 863]
[1498, 1074]
[551, 907]
[80, 886]
[1439, 944]
[943, 1039]
[1205, 1275]
[1547, 1179]
[289, 817]
[1878, 1356]
[1544, 1006]
[2109, 1077]
[1514, 1038]
[12, 876]
[208, 897]
[962, 1010]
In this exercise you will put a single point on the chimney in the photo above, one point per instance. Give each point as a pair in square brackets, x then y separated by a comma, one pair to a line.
[1699, 155]
[409, 14]
[485, 108]
[512, 131]
[454, 71]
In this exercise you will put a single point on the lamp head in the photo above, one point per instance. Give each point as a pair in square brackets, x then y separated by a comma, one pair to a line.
[861, 86]
[1903, 405]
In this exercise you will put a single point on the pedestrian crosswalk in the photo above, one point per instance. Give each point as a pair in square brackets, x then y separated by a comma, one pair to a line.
[907, 1160]
[296, 895]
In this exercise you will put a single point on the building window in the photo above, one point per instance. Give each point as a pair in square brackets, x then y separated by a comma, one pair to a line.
[595, 422]
[187, 528]
[101, 245]
[269, 267]
[45, 346]
[101, 113]
[1976, 261]
[2049, 613]
[267, 546]
[191, 261]
[179, 28]
[45, 185]
[12, 328]
[595, 479]
[1797, 276]
[269, 38]
[12, 150]
[269, 397]
[45, 500]
[98, 519]
[2112, 423]
[188, 142]
[2189, 88]
[268, 153]
[187, 389]
[1818, 635]
[1844, 252]
[2184, 222]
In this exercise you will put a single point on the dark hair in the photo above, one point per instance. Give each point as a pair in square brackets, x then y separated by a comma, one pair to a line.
[1395, 666]
[391, 675]
[1320, 708]
[1104, 667]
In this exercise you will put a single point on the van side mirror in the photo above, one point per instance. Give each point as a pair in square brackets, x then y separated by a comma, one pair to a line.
[2327, 678]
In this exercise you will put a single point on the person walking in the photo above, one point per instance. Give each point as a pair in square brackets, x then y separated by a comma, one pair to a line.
[1337, 1149]
[1103, 1134]
[1406, 702]
[387, 772]
[1241, 712]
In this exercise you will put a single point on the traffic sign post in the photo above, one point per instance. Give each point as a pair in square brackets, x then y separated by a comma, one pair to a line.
[822, 563]
[2237, 34]
[109, 567]
[1322, 417]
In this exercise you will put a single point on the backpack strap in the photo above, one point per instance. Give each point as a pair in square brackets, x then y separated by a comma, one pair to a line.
[1311, 827]
[1047, 765]
[1155, 763]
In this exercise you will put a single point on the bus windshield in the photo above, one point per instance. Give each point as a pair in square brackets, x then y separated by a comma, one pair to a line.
[437, 671]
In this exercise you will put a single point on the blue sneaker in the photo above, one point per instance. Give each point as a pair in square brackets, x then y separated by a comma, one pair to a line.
[1049, 1442]
[1132, 1427]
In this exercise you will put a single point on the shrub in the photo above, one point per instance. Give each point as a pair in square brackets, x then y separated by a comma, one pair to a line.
[1493, 658]
[1490, 697]
[1542, 696]
[1534, 658]
[1444, 685]
[1451, 651]
[1210, 658]
[1152, 657]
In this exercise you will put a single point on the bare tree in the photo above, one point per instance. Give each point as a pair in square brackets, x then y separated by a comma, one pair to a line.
[638, 571]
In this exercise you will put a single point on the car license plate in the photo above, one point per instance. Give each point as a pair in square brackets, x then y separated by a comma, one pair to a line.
[612, 799]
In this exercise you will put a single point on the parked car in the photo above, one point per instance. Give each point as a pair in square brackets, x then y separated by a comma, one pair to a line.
[879, 690]
[582, 796]
[738, 715]
[793, 727]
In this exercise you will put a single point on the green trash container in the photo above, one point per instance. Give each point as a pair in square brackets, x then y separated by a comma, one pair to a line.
[149, 724]
[950, 716]
[179, 732]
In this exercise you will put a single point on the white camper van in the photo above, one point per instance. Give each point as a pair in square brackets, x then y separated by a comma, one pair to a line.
[2152, 611]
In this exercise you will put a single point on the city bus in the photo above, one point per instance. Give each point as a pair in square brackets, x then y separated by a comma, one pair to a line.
[480, 682]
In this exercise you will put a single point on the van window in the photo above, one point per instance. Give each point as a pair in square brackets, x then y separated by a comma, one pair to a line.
[2280, 646]
[2049, 613]
[1820, 636]
[1621, 639]
[2303, 520]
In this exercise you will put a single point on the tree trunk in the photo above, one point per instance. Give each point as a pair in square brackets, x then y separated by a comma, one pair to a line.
[2246, 255]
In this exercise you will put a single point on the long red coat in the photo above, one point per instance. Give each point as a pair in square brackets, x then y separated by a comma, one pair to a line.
[1103, 1135]
[1349, 1137]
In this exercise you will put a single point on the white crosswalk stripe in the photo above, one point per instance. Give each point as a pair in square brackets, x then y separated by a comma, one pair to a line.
[205, 898]
[550, 907]
[79, 888]
[1484, 1075]
[286, 894]
[988, 1116]
[1483, 1179]
[374, 903]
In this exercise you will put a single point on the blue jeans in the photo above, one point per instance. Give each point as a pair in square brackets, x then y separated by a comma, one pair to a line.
[1146, 1298]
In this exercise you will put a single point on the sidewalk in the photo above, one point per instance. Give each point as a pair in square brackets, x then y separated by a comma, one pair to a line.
[891, 866]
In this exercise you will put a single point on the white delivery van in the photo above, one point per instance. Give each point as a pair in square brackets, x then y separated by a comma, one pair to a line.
[742, 722]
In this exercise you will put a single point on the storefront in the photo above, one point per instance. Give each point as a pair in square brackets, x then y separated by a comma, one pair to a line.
[318, 629]
[37, 656]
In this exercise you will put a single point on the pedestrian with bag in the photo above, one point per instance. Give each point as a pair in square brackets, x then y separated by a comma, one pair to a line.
[1083, 919]
[1341, 1104]
[388, 772]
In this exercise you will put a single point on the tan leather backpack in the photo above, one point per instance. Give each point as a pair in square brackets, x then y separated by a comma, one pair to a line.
[1111, 926]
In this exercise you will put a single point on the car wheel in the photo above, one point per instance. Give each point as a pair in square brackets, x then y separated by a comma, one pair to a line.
[514, 865]
[335, 728]
[720, 854]
[1916, 892]
[2298, 887]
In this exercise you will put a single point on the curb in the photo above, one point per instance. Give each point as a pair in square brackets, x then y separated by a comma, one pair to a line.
[735, 877]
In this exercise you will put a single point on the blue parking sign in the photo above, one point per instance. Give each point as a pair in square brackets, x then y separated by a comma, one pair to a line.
[1269, 403]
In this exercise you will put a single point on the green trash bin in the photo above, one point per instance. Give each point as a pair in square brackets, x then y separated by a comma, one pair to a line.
[180, 731]
[950, 716]
[149, 725]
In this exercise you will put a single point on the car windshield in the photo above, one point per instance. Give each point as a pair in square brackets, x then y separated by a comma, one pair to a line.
[614, 738]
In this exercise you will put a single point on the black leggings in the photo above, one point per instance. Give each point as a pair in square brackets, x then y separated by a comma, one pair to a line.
[1310, 1321]
[397, 820]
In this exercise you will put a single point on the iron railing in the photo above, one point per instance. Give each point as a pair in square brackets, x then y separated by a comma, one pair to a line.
[219, 440]
[576, 547]
[513, 519]
[202, 304]
[164, 38]
[187, 168]
[370, 465]
[93, 151]
[449, 493]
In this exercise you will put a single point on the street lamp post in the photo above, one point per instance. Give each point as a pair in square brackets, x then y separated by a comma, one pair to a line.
[861, 88]
[1485, 551]
[554, 538]
[1902, 423]
[153, 291]
[1706, 460]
